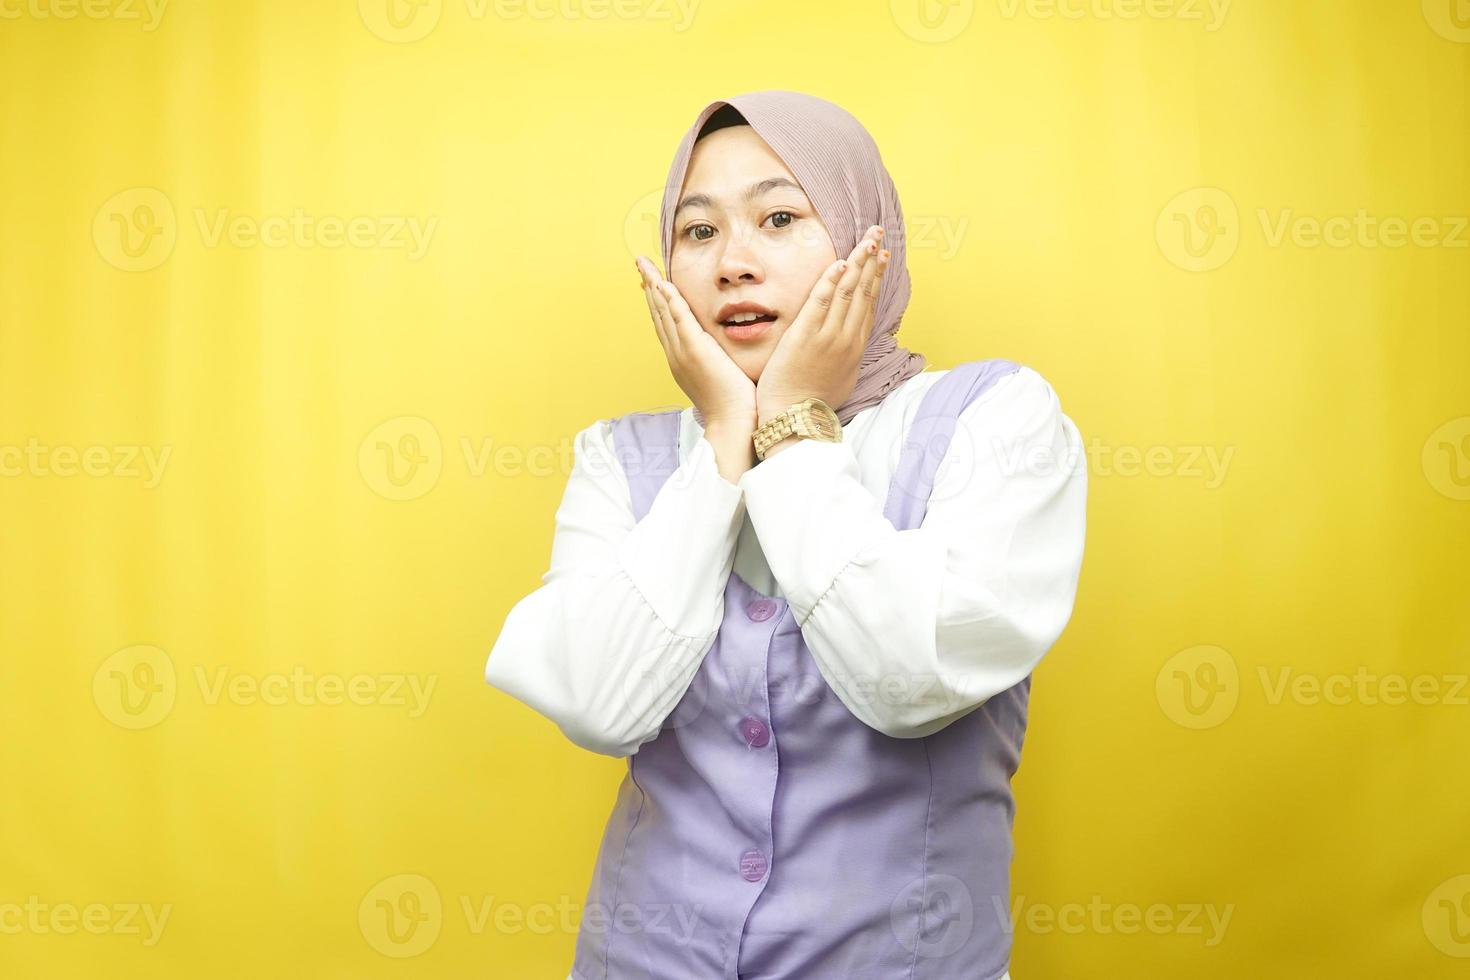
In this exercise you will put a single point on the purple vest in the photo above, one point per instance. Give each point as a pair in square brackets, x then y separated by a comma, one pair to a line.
[768, 834]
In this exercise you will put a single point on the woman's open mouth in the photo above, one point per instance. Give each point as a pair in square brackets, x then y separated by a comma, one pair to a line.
[746, 320]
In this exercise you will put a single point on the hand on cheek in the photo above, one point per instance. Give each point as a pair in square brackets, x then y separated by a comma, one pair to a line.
[721, 391]
[820, 353]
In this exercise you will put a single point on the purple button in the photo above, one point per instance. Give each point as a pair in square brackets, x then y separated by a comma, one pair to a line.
[761, 610]
[752, 865]
[755, 731]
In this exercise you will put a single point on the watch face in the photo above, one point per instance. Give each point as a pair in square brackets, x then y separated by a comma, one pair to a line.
[824, 421]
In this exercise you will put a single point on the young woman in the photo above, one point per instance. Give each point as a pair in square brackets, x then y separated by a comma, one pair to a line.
[811, 636]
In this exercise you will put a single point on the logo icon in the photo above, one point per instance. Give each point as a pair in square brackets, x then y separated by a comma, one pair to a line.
[933, 916]
[943, 460]
[1450, 19]
[641, 227]
[1446, 916]
[402, 458]
[400, 21]
[1446, 458]
[135, 687]
[1198, 687]
[401, 915]
[648, 681]
[1199, 229]
[136, 230]
[932, 21]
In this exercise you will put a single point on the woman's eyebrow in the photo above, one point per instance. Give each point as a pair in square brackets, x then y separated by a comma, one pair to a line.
[751, 193]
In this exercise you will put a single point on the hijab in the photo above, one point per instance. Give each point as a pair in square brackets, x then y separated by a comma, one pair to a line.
[837, 164]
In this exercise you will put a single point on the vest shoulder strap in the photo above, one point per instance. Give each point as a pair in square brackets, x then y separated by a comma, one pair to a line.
[646, 446]
[930, 433]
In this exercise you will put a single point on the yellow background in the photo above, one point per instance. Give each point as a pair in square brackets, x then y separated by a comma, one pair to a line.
[1110, 184]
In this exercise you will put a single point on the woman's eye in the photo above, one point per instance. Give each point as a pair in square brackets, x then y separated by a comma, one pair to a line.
[693, 231]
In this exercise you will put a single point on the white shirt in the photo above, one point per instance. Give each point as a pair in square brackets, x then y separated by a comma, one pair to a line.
[958, 609]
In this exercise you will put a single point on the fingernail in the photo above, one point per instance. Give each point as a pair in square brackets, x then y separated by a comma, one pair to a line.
[883, 255]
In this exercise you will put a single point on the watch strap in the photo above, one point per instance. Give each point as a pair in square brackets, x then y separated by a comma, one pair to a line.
[799, 419]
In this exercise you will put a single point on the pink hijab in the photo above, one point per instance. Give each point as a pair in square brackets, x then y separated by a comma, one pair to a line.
[838, 166]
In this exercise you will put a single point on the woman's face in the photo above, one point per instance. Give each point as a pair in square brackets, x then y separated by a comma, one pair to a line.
[732, 246]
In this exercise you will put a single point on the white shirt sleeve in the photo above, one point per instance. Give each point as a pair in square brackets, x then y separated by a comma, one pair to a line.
[612, 639]
[913, 629]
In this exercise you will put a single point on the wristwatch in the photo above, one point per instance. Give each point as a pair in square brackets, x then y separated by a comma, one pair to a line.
[811, 418]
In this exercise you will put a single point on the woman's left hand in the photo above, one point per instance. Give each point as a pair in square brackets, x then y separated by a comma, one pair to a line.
[820, 353]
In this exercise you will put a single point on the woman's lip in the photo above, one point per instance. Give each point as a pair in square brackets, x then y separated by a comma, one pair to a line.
[747, 331]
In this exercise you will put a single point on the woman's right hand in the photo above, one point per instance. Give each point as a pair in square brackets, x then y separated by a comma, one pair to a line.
[714, 383]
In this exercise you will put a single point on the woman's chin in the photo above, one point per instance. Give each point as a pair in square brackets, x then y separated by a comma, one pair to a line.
[752, 362]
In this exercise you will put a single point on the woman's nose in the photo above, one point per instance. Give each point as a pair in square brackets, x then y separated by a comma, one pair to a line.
[740, 263]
